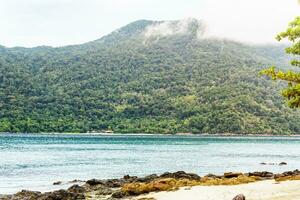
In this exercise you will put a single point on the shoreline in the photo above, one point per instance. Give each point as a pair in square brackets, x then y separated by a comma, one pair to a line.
[178, 186]
[161, 134]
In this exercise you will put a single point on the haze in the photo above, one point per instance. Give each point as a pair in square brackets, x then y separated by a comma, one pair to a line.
[62, 22]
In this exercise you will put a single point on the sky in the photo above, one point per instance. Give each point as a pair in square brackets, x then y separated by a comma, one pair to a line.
[32, 23]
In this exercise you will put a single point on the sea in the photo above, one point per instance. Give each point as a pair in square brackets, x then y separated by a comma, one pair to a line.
[36, 161]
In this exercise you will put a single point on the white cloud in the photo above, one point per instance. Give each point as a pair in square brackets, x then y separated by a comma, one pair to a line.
[174, 28]
[255, 21]
[62, 22]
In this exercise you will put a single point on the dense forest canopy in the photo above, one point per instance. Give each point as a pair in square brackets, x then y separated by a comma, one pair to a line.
[147, 77]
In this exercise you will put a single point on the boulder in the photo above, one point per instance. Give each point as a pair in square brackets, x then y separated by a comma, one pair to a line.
[180, 175]
[27, 195]
[232, 175]
[119, 194]
[289, 173]
[76, 189]
[103, 191]
[147, 179]
[57, 183]
[282, 163]
[129, 179]
[62, 195]
[239, 197]
[114, 183]
[294, 173]
[264, 174]
[93, 182]
[126, 177]
[212, 176]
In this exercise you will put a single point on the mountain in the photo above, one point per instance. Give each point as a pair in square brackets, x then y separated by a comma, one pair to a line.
[146, 77]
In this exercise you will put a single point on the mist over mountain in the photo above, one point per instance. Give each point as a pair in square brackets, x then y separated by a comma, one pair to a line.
[148, 76]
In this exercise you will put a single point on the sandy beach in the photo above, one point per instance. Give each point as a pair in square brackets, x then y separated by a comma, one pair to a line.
[263, 190]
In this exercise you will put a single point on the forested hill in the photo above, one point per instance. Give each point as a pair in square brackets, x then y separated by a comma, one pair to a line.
[147, 77]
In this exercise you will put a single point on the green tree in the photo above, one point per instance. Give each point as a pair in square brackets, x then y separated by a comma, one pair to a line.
[292, 91]
[119, 83]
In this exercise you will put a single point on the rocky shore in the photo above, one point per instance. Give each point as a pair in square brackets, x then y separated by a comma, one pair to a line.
[132, 186]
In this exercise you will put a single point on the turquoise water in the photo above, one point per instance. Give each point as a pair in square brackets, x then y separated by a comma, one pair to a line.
[36, 161]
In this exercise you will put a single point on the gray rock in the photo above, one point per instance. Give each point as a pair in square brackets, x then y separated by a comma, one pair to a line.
[264, 174]
[232, 175]
[180, 175]
[57, 183]
[239, 197]
[93, 182]
[282, 163]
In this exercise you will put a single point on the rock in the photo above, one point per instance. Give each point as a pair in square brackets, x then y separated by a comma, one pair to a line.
[239, 197]
[180, 175]
[126, 177]
[193, 176]
[137, 188]
[129, 179]
[264, 163]
[282, 163]
[62, 195]
[288, 175]
[264, 174]
[76, 181]
[232, 175]
[57, 183]
[103, 191]
[76, 189]
[114, 183]
[147, 179]
[26, 195]
[166, 175]
[212, 176]
[93, 182]
[296, 172]
[119, 194]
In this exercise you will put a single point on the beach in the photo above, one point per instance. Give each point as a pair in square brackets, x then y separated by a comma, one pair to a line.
[178, 186]
[262, 190]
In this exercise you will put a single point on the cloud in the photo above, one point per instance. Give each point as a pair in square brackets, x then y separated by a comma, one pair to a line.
[62, 22]
[254, 21]
[180, 27]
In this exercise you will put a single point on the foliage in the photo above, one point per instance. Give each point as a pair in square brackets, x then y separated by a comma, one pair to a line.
[292, 92]
[128, 84]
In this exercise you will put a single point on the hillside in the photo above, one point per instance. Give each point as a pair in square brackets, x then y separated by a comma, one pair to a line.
[150, 77]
